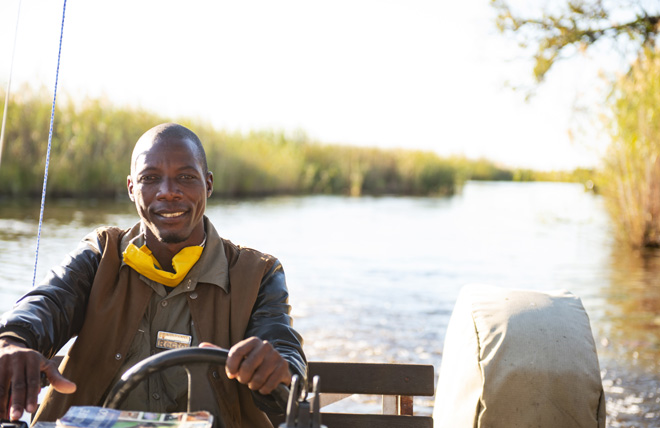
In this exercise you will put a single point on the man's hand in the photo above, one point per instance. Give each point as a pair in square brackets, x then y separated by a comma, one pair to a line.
[20, 369]
[257, 364]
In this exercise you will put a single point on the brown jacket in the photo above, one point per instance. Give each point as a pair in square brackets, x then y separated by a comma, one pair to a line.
[96, 356]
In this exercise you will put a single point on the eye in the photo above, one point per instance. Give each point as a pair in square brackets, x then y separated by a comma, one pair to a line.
[187, 177]
[148, 178]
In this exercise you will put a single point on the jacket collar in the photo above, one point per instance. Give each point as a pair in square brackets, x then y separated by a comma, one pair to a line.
[212, 267]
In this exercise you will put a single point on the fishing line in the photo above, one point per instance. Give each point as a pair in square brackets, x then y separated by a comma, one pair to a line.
[11, 69]
[50, 139]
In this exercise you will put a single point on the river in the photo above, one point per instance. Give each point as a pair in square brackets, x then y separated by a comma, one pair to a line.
[374, 279]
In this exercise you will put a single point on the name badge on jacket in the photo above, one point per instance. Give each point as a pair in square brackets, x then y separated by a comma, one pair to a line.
[167, 340]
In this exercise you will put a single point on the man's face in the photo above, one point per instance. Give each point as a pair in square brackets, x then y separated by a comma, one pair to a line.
[169, 187]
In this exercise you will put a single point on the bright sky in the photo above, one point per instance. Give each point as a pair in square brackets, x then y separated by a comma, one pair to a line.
[423, 74]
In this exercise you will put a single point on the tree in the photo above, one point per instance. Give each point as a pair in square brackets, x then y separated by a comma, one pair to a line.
[630, 176]
[575, 26]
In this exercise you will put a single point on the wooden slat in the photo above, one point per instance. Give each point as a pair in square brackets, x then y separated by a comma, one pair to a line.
[329, 398]
[366, 378]
[390, 405]
[405, 405]
[350, 420]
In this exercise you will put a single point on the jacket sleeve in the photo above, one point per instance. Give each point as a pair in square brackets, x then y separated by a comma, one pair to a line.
[271, 321]
[53, 312]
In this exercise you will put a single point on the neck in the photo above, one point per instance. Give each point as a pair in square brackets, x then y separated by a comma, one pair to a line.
[165, 252]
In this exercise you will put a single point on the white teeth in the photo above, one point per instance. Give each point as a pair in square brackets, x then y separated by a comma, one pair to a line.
[172, 214]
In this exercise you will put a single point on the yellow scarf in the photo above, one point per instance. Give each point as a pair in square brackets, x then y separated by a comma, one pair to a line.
[142, 260]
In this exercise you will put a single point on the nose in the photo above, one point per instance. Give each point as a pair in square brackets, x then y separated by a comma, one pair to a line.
[169, 189]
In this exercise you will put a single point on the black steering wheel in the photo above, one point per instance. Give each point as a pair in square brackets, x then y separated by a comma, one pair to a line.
[196, 362]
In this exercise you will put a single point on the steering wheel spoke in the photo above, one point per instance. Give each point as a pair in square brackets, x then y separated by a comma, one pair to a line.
[197, 363]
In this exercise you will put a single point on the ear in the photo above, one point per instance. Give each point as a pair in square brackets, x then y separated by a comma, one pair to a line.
[209, 184]
[129, 185]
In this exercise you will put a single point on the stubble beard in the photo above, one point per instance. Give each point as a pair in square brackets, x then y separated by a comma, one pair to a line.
[171, 238]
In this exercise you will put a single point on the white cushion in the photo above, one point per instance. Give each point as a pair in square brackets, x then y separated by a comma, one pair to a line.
[519, 358]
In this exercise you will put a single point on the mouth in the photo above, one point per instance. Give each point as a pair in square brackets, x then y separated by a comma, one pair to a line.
[172, 215]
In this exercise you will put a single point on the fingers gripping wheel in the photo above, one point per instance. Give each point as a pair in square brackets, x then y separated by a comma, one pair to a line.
[196, 362]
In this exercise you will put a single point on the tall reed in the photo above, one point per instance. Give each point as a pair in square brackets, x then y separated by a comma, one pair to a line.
[631, 176]
[92, 143]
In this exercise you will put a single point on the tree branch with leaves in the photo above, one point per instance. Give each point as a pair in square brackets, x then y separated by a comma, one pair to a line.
[576, 26]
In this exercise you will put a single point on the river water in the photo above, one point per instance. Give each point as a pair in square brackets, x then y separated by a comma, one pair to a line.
[374, 279]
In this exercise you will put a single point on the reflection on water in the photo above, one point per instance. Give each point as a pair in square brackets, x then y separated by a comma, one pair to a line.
[630, 344]
[634, 312]
[65, 223]
[375, 279]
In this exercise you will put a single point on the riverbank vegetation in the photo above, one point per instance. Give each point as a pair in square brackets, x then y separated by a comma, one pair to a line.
[630, 176]
[92, 144]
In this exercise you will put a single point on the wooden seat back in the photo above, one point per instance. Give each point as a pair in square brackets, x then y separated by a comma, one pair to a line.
[396, 383]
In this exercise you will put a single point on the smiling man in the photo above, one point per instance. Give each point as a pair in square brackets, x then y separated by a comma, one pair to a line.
[170, 281]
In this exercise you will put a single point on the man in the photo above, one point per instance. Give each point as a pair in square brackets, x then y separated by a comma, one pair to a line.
[169, 281]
